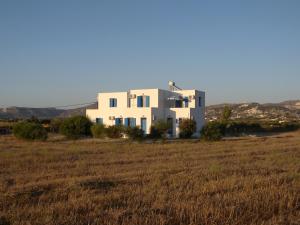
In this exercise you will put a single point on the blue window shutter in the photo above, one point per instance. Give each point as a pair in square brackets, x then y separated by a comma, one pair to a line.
[178, 104]
[140, 101]
[186, 103]
[115, 102]
[126, 122]
[147, 101]
[144, 124]
[110, 102]
[117, 121]
[133, 122]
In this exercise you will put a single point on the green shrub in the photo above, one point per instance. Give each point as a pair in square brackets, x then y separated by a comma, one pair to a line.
[226, 114]
[30, 131]
[212, 132]
[98, 131]
[76, 127]
[241, 128]
[33, 119]
[280, 127]
[55, 124]
[114, 131]
[134, 133]
[159, 129]
[187, 127]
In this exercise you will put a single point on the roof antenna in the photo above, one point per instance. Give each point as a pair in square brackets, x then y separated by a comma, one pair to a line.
[173, 87]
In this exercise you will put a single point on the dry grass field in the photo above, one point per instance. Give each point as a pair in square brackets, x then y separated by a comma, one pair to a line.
[250, 181]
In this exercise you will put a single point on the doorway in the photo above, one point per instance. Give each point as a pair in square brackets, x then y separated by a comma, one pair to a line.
[144, 125]
[170, 125]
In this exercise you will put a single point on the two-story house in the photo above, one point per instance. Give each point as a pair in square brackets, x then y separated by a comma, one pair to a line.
[146, 106]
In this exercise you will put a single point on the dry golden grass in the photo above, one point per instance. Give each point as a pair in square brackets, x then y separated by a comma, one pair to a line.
[250, 181]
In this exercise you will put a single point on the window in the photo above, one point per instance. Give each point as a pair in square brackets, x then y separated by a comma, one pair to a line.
[112, 102]
[118, 121]
[200, 103]
[178, 103]
[130, 122]
[178, 121]
[186, 102]
[99, 120]
[181, 103]
[143, 101]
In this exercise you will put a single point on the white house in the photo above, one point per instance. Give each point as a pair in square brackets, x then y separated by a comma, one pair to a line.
[145, 106]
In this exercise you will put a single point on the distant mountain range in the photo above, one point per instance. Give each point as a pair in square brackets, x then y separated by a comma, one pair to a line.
[283, 111]
[24, 113]
[41, 113]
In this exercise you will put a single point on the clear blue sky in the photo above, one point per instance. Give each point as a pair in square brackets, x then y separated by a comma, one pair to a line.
[64, 52]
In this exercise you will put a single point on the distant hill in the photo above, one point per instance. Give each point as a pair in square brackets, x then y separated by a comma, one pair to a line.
[291, 104]
[283, 111]
[77, 111]
[24, 113]
[41, 113]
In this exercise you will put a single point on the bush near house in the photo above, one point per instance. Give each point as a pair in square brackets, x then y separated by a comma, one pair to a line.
[76, 127]
[159, 129]
[240, 128]
[212, 132]
[134, 133]
[30, 131]
[55, 124]
[114, 131]
[98, 131]
[187, 128]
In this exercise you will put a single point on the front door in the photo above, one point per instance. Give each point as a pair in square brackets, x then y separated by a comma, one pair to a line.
[144, 125]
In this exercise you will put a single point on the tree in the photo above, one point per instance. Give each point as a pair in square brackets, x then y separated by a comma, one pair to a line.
[212, 132]
[98, 131]
[187, 127]
[30, 131]
[134, 133]
[159, 129]
[76, 127]
[227, 111]
[55, 124]
[114, 131]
